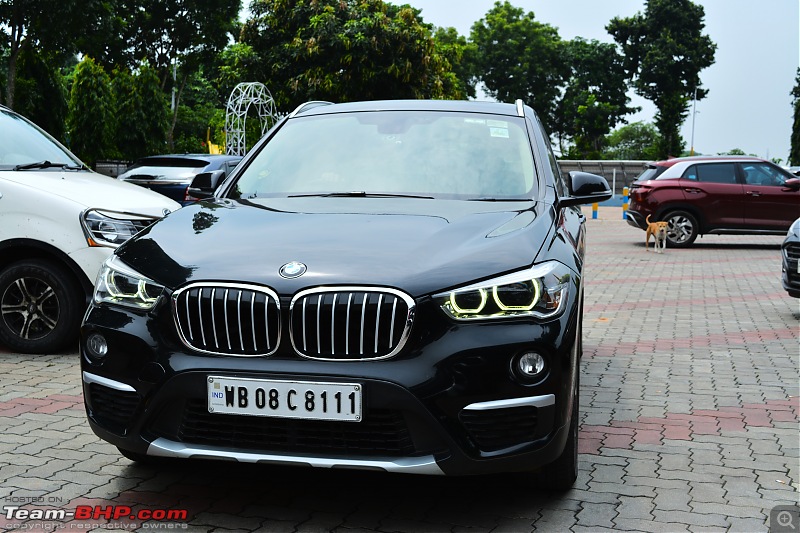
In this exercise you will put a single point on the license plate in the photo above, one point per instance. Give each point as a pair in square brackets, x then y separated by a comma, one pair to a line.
[312, 400]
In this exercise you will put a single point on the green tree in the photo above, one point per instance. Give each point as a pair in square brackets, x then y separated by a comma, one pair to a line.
[734, 151]
[664, 51]
[175, 37]
[595, 98]
[344, 50]
[40, 92]
[637, 141]
[518, 57]
[462, 57]
[91, 119]
[44, 26]
[235, 64]
[794, 150]
[141, 111]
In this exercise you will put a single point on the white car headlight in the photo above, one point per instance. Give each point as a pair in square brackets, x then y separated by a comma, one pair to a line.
[109, 228]
[538, 292]
[119, 284]
[794, 229]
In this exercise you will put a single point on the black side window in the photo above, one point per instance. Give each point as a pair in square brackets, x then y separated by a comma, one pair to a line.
[712, 173]
[762, 174]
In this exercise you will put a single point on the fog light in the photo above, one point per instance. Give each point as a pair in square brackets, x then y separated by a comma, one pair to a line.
[530, 365]
[96, 345]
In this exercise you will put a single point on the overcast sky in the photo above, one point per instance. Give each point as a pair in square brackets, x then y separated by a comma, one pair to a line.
[758, 53]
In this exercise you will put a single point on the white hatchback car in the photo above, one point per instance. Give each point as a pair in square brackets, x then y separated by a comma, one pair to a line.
[58, 222]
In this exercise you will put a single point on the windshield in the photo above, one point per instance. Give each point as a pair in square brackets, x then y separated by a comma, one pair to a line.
[433, 154]
[22, 143]
[648, 174]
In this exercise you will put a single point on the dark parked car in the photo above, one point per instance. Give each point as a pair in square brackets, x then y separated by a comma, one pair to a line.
[384, 285]
[724, 194]
[791, 260]
[172, 174]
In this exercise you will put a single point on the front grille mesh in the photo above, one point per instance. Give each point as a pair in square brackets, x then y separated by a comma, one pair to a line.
[228, 319]
[496, 429]
[350, 323]
[793, 251]
[112, 407]
[380, 433]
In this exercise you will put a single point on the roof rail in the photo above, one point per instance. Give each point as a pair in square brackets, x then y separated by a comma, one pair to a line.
[520, 107]
[308, 105]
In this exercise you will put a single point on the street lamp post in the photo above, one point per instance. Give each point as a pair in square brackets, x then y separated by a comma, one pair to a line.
[694, 112]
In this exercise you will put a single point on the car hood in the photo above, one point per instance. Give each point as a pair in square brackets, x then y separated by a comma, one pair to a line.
[420, 246]
[92, 190]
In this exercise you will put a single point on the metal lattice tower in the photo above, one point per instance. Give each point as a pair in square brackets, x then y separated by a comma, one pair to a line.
[242, 97]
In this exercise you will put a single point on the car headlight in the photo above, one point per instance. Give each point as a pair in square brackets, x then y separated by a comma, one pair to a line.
[119, 284]
[794, 229]
[539, 292]
[109, 228]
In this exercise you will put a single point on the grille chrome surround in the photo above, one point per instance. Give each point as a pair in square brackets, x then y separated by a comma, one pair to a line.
[228, 319]
[350, 323]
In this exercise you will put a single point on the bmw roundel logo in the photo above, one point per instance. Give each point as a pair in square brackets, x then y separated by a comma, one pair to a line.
[295, 269]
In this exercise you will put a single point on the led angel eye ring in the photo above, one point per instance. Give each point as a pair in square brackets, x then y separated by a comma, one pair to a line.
[461, 311]
[537, 292]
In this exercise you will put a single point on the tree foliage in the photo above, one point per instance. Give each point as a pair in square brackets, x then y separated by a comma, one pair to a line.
[343, 50]
[664, 51]
[90, 122]
[40, 92]
[462, 56]
[595, 97]
[141, 113]
[794, 150]
[637, 141]
[44, 26]
[519, 57]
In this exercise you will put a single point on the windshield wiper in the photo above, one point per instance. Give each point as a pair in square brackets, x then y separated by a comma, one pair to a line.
[491, 199]
[359, 194]
[49, 164]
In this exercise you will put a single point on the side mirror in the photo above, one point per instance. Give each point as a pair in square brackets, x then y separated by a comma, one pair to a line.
[586, 188]
[793, 184]
[205, 184]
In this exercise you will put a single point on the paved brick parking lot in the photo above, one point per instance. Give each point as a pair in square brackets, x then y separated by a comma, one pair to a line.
[690, 422]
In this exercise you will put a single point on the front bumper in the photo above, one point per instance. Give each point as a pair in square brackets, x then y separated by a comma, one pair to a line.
[448, 404]
[790, 275]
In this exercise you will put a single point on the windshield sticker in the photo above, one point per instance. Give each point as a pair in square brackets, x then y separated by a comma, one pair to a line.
[474, 121]
[499, 132]
[497, 123]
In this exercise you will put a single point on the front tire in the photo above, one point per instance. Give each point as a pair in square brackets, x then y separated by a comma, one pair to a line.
[40, 307]
[682, 229]
[561, 474]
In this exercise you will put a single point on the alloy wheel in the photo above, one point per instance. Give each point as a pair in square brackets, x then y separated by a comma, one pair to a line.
[30, 308]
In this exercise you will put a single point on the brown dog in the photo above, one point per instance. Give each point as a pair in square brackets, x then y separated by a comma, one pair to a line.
[659, 231]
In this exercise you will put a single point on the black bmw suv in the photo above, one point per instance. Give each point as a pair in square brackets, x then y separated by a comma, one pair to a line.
[391, 285]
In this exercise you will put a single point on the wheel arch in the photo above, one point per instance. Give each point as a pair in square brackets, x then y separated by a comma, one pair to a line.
[14, 250]
[662, 213]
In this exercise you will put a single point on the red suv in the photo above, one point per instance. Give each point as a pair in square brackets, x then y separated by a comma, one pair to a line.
[723, 194]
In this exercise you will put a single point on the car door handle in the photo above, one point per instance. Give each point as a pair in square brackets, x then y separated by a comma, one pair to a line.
[692, 190]
[753, 193]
